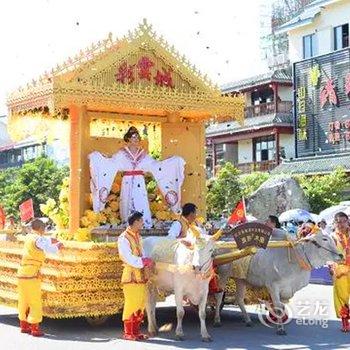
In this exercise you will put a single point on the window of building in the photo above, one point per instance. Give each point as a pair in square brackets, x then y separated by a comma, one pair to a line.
[15, 156]
[19, 156]
[263, 95]
[264, 148]
[3, 158]
[341, 36]
[220, 153]
[309, 46]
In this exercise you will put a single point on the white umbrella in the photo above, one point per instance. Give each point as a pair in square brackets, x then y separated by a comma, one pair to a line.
[347, 211]
[251, 218]
[315, 218]
[328, 214]
[295, 215]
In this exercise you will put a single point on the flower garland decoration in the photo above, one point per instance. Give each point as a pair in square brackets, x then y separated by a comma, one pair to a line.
[111, 214]
[58, 212]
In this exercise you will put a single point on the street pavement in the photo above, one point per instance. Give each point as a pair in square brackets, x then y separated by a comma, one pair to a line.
[313, 326]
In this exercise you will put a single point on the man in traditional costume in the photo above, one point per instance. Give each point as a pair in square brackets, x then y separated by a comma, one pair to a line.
[187, 230]
[134, 161]
[341, 271]
[30, 312]
[134, 277]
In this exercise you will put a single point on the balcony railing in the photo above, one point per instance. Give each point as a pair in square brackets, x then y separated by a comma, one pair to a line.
[256, 166]
[268, 108]
[11, 164]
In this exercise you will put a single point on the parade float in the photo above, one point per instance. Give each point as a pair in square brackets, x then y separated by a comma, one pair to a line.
[90, 101]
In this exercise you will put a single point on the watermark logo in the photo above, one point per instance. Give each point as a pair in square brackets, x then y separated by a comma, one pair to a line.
[303, 313]
[268, 316]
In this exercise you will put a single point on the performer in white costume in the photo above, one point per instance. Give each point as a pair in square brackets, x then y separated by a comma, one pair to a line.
[135, 162]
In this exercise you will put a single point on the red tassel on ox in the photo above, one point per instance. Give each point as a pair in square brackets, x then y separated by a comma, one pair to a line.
[214, 284]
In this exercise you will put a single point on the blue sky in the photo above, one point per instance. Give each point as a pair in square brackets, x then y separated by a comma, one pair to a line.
[220, 37]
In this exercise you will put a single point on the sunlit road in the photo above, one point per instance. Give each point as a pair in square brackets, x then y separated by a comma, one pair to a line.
[313, 327]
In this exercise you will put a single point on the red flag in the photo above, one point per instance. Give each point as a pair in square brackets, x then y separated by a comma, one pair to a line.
[26, 210]
[238, 214]
[2, 218]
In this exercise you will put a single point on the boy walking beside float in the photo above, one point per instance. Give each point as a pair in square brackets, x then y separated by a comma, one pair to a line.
[30, 312]
[134, 277]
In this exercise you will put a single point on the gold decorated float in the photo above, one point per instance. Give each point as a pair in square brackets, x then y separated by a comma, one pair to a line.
[82, 281]
[89, 102]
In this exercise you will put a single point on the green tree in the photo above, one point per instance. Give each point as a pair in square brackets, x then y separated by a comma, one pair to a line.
[323, 191]
[251, 182]
[7, 177]
[39, 179]
[224, 191]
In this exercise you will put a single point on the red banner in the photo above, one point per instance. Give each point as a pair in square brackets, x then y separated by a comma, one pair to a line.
[26, 210]
[2, 218]
[238, 215]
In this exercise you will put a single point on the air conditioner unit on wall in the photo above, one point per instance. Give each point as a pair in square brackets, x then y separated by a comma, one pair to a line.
[271, 61]
[282, 59]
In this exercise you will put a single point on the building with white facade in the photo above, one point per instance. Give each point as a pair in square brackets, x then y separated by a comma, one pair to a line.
[323, 27]
[14, 154]
[267, 134]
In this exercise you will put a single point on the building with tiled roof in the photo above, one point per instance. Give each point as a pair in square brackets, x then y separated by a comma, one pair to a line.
[267, 133]
[14, 154]
[314, 165]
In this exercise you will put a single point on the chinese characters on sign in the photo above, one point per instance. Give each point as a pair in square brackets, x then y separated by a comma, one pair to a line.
[301, 113]
[164, 78]
[251, 234]
[315, 75]
[328, 94]
[339, 130]
[144, 69]
[125, 73]
[144, 66]
[347, 84]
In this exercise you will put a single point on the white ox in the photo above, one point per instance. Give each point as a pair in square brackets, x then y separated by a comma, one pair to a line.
[186, 274]
[281, 271]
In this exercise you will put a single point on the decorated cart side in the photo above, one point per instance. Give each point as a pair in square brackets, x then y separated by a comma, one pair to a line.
[90, 101]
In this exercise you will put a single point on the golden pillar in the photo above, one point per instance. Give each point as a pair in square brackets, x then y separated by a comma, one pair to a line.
[79, 135]
[187, 140]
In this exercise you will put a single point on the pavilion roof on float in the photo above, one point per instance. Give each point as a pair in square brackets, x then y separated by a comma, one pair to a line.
[137, 74]
[137, 79]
